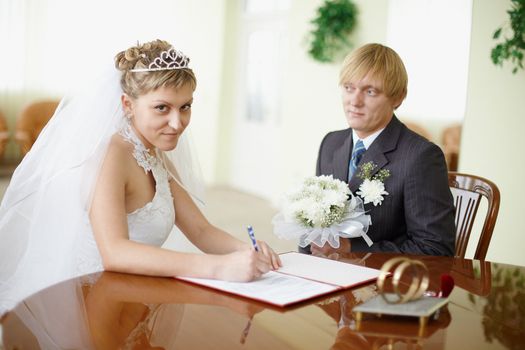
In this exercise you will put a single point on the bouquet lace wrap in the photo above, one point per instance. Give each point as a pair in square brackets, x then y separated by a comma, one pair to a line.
[322, 210]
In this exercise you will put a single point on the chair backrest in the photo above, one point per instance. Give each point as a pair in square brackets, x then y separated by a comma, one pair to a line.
[418, 129]
[31, 121]
[467, 191]
[4, 134]
[451, 139]
[476, 278]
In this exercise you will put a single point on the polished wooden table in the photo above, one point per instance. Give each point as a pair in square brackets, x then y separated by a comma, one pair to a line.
[119, 311]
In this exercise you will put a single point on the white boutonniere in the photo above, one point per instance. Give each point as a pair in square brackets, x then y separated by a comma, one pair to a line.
[372, 189]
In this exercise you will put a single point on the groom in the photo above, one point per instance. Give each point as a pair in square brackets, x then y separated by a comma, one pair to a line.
[417, 214]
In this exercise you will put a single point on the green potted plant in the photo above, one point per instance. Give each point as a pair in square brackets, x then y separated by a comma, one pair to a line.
[513, 47]
[335, 21]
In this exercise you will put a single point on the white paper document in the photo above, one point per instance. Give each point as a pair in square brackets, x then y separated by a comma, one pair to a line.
[326, 270]
[275, 288]
[302, 277]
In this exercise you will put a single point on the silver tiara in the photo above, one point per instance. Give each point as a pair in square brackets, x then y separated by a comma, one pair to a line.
[167, 60]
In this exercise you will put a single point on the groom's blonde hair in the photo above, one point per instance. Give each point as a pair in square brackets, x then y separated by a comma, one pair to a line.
[378, 62]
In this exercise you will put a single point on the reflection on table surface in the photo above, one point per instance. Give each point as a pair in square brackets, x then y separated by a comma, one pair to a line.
[113, 311]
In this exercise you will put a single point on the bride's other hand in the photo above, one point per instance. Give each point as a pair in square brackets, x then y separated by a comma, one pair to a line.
[268, 252]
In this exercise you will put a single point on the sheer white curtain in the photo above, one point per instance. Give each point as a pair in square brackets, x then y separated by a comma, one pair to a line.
[12, 34]
[22, 67]
[12, 57]
[25, 63]
[44, 41]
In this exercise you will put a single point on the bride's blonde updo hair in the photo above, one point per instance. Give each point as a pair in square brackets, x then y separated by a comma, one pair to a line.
[135, 84]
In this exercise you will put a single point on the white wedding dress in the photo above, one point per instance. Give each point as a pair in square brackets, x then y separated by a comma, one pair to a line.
[150, 224]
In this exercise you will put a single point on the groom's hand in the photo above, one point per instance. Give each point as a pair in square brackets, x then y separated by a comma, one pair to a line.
[327, 250]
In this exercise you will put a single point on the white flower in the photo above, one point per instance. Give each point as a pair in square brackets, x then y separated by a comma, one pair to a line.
[319, 202]
[372, 191]
[321, 210]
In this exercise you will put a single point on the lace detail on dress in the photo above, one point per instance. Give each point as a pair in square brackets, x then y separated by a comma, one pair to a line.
[159, 214]
[140, 152]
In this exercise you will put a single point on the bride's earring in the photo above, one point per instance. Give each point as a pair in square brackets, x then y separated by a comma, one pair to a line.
[127, 117]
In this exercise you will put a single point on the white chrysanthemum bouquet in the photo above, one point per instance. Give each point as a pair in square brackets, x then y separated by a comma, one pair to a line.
[321, 210]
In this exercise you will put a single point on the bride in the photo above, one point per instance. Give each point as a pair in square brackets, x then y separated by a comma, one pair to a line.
[108, 178]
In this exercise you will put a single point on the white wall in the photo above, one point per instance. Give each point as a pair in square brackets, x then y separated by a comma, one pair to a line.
[228, 92]
[492, 143]
[433, 38]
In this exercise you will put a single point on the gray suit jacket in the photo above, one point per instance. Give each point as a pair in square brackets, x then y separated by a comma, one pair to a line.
[417, 215]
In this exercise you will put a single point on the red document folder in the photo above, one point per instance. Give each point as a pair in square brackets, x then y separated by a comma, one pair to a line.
[302, 277]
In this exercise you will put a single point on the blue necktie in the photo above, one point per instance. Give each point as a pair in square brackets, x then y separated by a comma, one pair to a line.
[357, 154]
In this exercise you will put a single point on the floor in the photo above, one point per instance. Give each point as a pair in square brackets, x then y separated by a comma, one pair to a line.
[233, 210]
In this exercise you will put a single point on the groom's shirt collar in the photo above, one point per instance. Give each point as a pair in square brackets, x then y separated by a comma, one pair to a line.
[367, 141]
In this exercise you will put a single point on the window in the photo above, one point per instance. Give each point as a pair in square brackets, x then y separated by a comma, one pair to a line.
[264, 40]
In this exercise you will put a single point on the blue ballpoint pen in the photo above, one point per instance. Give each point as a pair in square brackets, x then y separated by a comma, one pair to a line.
[252, 237]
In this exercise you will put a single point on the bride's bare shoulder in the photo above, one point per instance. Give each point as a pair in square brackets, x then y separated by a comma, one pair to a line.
[120, 152]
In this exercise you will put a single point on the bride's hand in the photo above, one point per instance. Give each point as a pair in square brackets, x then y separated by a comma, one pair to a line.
[243, 265]
[268, 252]
[247, 264]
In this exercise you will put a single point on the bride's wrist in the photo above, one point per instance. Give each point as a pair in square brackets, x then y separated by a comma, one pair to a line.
[240, 245]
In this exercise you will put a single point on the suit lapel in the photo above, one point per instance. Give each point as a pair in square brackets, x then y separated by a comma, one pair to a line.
[342, 158]
[384, 143]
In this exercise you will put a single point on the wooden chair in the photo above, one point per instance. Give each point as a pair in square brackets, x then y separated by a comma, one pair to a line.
[451, 139]
[4, 134]
[31, 121]
[418, 129]
[471, 276]
[467, 191]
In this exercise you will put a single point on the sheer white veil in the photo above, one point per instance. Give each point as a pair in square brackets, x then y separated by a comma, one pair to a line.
[44, 210]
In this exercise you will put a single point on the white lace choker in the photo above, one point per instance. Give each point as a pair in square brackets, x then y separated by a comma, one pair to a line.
[167, 60]
[140, 152]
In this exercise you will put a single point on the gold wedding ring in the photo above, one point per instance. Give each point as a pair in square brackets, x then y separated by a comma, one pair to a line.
[418, 284]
